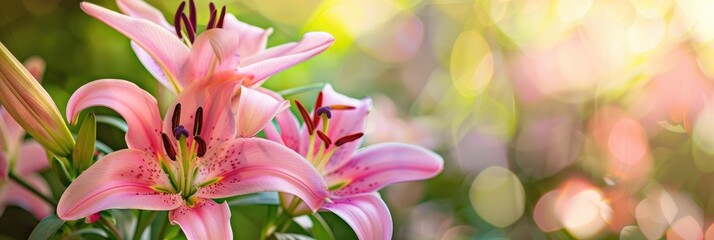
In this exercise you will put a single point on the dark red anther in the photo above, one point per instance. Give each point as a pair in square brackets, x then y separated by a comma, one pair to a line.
[198, 121]
[341, 107]
[201, 151]
[220, 19]
[325, 139]
[212, 19]
[318, 104]
[192, 14]
[176, 117]
[189, 28]
[177, 19]
[168, 147]
[348, 139]
[305, 117]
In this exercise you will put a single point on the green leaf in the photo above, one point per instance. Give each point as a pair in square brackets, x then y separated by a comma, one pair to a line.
[113, 121]
[301, 90]
[84, 149]
[291, 236]
[261, 198]
[103, 147]
[59, 167]
[320, 229]
[89, 231]
[46, 228]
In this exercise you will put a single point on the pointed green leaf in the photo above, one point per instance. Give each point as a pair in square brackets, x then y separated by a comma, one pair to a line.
[300, 90]
[320, 229]
[59, 167]
[114, 122]
[261, 198]
[84, 149]
[46, 228]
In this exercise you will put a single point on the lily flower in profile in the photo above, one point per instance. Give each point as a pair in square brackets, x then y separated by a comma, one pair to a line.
[178, 54]
[22, 158]
[28, 103]
[184, 162]
[329, 139]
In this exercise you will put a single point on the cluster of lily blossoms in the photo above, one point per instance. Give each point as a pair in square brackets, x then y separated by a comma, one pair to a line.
[206, 146]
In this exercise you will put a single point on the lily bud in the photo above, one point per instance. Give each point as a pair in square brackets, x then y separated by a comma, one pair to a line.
[31, 106]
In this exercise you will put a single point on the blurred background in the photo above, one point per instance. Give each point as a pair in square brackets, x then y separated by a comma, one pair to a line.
[557, 119]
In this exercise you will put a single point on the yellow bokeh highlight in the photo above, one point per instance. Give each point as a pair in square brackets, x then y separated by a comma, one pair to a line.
[498, 196]
[472, 64]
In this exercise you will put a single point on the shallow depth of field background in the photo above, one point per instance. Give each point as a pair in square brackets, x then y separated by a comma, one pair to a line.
[556, 119]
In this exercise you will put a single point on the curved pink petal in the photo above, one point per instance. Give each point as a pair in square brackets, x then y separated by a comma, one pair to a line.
[214, 51]
[289, 134]
[249, 165]
[136, 106]
[205, 220]
[152, 66]
[31, 158]
[164, 46]
[382, 164]
[214, 96]
[252, 39]
[10, 132]
[120, 180]
[256, 110]
[266, 63]
[141, 9]
[367, 214]
[14, 194]
[344, 122]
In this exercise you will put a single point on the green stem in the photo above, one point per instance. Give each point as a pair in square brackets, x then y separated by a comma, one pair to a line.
[110, 226]
[27, 186]
[143, 222]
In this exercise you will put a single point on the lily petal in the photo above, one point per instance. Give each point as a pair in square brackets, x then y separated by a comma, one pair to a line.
[152, 66]
[141, 9]
[382, 164]
[289, 131]
[31, 158]
[249, 165]
[161, 44]
[214, 51]
[266, 63]
[256, 110]
[214, 96]
[4, 168]
[10, 132]
[19, 196]
[252, 39]
[205, 220]
[367, 214]
[344, 122]
[136, 106]
[122, 179]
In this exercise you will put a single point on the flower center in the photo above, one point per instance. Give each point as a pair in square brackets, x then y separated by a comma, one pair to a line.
[320, 155]
[183, 153]
[181, 20]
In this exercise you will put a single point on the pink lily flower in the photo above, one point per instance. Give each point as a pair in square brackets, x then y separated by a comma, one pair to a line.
[182, 163]
[177, 55]
[227, 45]
[24, 158]
[334, 131]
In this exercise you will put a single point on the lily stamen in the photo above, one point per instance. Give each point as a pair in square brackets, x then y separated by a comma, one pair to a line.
[170, 151]
[349, 138]
[177, 19]
[198, 122]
